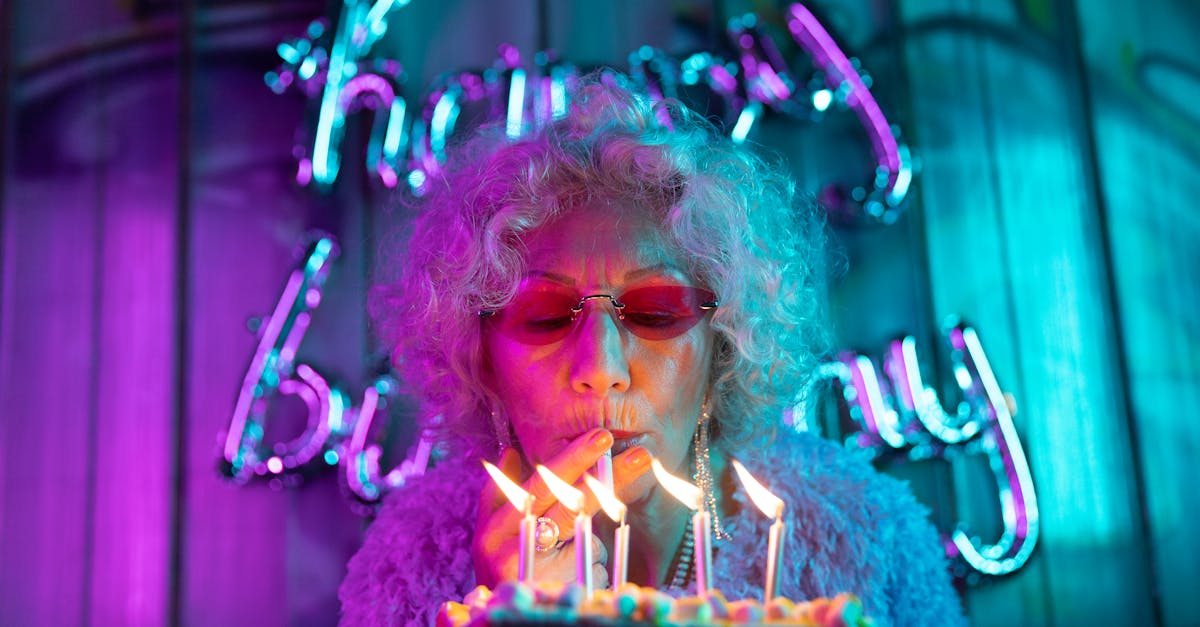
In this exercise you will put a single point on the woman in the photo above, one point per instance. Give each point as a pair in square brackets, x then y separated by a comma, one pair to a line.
[625, 280]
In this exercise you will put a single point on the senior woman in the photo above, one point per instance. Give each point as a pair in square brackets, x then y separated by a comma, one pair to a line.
[625, 280]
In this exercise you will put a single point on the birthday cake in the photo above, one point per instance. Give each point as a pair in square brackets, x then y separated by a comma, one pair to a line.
[544, 603]
[527, 602]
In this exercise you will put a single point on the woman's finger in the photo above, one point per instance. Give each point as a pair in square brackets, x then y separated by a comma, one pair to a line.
[629, 466]
[569, 465]
[626, 468]
[599, 550]
[498, 521]
[600, 578]
[563, 561]
[599, 563]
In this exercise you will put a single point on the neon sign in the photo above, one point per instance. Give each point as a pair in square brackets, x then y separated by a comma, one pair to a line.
[332, 66]
[899, 412]
[896, 412]
[335, 433]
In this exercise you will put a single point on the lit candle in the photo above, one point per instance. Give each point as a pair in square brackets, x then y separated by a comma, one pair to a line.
[616, 511]
[523, 501]
[770, 505]
[693, 498]
[572, 499]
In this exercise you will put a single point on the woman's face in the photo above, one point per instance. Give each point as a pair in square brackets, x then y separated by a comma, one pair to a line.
[647, 392]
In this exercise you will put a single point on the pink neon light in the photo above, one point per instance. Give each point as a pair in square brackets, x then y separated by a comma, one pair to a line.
[813, 37]
[304, 171]
[1017, 498]
[254, 374]
[988, 422]
[361, 472]
[270, 372]
[372, 84]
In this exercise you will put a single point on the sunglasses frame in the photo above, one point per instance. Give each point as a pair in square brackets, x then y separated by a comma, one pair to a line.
[705, 306]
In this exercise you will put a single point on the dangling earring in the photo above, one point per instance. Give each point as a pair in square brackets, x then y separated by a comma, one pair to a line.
[703, 474]
[503, 434]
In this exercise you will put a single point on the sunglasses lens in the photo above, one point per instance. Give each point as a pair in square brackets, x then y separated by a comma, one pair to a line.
[661, 312]
[537, 316]
[664, 311]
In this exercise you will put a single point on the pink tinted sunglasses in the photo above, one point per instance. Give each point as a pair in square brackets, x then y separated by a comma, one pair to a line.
[658, 312]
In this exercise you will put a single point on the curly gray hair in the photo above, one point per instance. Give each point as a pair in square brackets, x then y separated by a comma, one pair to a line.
[733, 215]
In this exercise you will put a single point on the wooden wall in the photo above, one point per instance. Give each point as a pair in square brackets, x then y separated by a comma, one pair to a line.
[148, 211]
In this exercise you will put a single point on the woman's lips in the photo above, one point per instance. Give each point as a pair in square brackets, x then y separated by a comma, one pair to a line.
[624, 440]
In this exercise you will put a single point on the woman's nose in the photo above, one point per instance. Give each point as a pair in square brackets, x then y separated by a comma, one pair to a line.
[599, 364]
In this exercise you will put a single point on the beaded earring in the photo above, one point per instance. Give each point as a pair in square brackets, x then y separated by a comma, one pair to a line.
[703, 474]
[503, 434]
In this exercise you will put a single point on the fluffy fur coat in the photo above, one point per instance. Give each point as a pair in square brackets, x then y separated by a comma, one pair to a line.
[850, 529]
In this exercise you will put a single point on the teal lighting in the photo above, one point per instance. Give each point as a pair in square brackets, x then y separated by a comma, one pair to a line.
[745, 122]
[821, 99]
[516, 104]
[394, 138]
[319, 256]
[308, 68]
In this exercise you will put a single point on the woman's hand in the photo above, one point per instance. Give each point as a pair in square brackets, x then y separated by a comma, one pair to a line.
[496, 545]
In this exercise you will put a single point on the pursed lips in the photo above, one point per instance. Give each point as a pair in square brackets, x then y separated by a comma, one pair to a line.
[625, 440]
[622, 440]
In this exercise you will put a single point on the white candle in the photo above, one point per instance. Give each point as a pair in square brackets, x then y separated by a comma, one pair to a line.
[702, 529]
[583, 552]
[770, 505]
[523, 501]
[693, 498]
[620, 565]
[573, 500]
[604, 470]
[528, 533]
[774, 555]
[615, 510]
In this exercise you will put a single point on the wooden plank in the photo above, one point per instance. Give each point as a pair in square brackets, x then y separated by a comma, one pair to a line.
[46, 391]
[1012, 248]
[958, 206]
[242, 236]
[135, 405]
[322, 529]
[57, 376]
[233, 548]
[1148, 140]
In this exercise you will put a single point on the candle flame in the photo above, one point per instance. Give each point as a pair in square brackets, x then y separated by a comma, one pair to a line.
[567, 494]
[608, 501]
[770, 504]
[686, 493]
[517, 495]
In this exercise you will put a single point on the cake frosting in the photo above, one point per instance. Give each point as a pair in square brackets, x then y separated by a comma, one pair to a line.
[564, 604]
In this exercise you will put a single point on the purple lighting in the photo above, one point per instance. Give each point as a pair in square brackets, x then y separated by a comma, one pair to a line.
[271, 372]
[334, 431]
[842, 77]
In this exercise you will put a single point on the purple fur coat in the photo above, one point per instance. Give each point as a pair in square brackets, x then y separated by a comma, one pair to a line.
[850, 529]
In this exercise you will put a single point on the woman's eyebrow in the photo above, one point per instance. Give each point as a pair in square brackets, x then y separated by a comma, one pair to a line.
[553, 276]
[658, 268]
[632, 275]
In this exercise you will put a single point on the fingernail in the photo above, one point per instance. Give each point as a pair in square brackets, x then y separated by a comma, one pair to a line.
[600, 439]
[637, 457]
